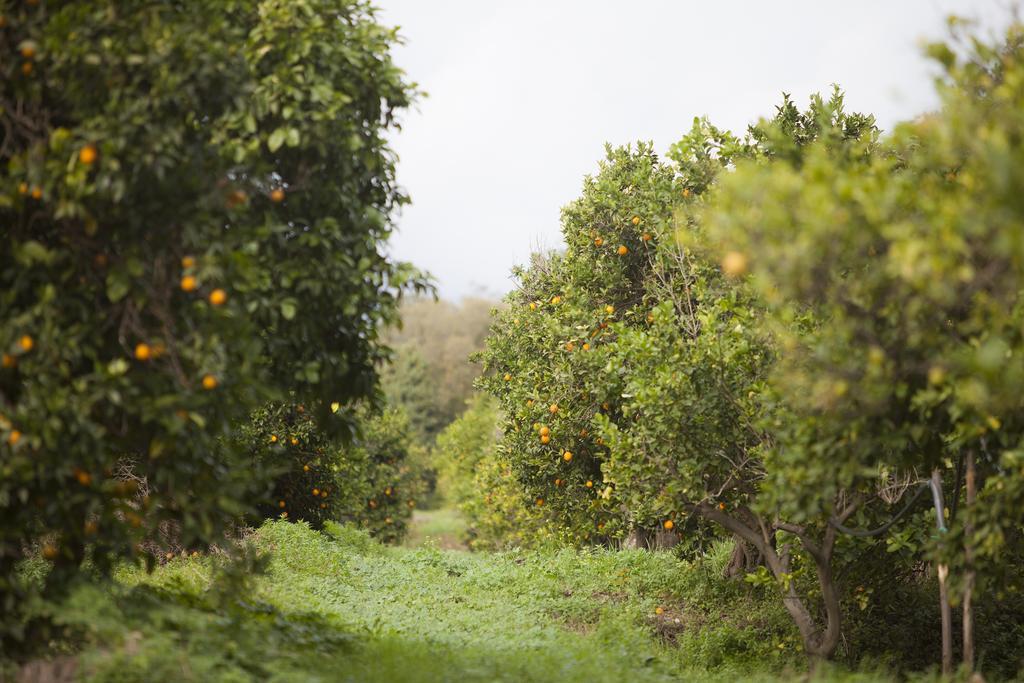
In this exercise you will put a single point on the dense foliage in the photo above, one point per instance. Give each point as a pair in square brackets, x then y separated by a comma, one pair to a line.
[193, 199]
[370, 481]
[648, 383]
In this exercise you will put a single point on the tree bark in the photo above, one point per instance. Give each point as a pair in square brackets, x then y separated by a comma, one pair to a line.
[968, 607]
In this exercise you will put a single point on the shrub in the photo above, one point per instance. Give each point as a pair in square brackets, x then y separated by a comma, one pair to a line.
[369, 481]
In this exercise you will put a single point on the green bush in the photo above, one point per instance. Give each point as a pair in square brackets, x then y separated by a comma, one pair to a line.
[193, 200]
[475, 478]
[371, 480]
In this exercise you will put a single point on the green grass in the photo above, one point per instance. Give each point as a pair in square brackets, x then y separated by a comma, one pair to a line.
[340, 607]
[443, 528]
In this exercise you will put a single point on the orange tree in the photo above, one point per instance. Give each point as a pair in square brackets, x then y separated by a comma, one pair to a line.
[192, 203]
[907, 272]
[631, 368]
[369, 480]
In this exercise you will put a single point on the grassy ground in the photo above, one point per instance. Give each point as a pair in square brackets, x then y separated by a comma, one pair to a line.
[338, 606]
[442, 528]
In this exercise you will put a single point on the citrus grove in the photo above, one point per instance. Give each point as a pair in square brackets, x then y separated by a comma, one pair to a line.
[762, 411]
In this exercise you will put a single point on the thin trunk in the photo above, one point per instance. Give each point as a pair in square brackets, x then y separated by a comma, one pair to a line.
[943, 572]
[947, 622]
[968, 610]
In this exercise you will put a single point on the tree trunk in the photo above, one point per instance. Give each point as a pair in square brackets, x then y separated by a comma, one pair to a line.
[943, 573]
[818, 643]
[663, 540]
[968, 608]
[947, 622]
[744, 559]
[636, 540]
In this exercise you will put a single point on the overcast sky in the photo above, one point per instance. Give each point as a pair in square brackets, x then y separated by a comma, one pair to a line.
[523, 95]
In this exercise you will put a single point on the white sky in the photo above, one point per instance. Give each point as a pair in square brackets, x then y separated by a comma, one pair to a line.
[523, 95]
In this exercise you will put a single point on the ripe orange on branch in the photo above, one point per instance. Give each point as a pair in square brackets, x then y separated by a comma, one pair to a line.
[87, 155]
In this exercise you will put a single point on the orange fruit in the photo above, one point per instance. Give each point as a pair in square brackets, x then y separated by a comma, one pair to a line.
[28, 51]
[570, 346]
[316, 492]
[545, 439]
[553, 409]
[567, 456]
[273, 438]
[686, 192]
[90, 528]
[294, 441]
[8, 361]
[305, 468]
[218, 297]
[373, 504]
[558, 482]
[636, 220]
[646, 237]
[22, 188]
[277, 195]
[188, 284]
[188, 262]
[83, 477]
[540, 502]
[323, 506]
[586, 347]
[589, 484]
[209, 382]
[598, 241]
[323, 494]
[26, 68]
[14, 437]
[556, 300]
[37, 192]
[26, 343]
[668, 524]
[721, 506]
[734, 264]
[609, 309]
[545, 431]
[143, 352]
[281, 504]
[87, 155]
[659, 610]
[622, 250]
[508, 377]
[50, 551]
